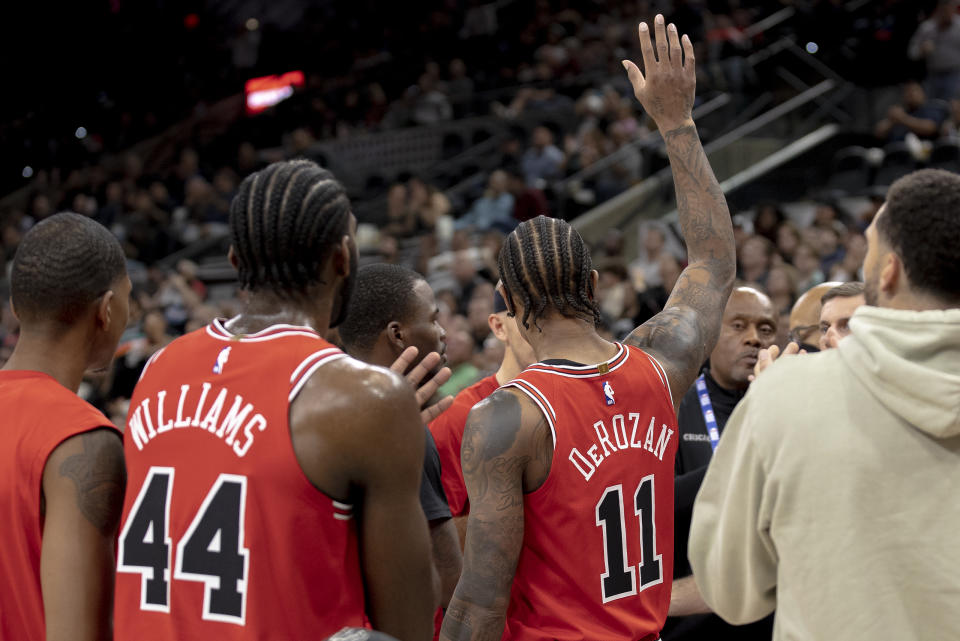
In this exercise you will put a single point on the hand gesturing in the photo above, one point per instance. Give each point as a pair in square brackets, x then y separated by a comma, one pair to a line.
[667, 86]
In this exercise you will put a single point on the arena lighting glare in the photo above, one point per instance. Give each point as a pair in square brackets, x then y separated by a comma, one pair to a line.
[252, 24]
[80, 133]
[812, 47]
[267, 91]
[27, 171]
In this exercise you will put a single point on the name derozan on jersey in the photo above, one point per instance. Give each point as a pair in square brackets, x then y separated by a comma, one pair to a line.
[587, 466]
[154, 416]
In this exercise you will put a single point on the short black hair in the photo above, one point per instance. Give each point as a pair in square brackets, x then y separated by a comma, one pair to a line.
[285, 221]
[383, 294]
[64, 264]
[921, 222]
[545, 263]
[847, 290]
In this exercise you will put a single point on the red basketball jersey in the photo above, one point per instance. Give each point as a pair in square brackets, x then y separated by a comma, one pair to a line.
[447, 430]
[223, 536]
[597, 557]
[38, 415]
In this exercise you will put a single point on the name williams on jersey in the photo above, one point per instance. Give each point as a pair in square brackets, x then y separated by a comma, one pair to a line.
[197, 408]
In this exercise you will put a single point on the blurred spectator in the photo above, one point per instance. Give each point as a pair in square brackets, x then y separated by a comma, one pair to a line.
[478, 311]
[645, 268]
[430, 105]
[782, 287]
[916, 115]
[616, 296]
[426, 203]
[543, 161]
[831, 251]
[807, 263]
[459, 359]
[849, 268]
[492, 210]
[937, 41]
[460, 85]
[788, 238]
[528, 202]
[767, 222]
[754, 260]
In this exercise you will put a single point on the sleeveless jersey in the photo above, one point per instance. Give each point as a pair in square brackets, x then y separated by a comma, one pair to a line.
[597, 556]
[38, 415]
[447, 430]
[223, 536]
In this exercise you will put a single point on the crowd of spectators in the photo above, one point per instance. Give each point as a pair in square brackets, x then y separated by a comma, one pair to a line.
[783, 248]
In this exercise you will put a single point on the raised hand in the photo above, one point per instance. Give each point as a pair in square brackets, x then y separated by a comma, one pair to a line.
[426, 390]
[667, 85]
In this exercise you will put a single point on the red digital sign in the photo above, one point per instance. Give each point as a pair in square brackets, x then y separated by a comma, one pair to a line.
[267, 91]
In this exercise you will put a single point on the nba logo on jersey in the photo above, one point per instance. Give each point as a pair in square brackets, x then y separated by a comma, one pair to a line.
[221, 360]
[608, 392]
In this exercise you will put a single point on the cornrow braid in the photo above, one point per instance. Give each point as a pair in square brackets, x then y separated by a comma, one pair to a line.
[285, 220]
[546, 265]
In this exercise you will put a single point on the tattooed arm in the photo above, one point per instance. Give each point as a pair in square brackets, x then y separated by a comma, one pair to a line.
[502, 454]
[83, 484]
[685, 332]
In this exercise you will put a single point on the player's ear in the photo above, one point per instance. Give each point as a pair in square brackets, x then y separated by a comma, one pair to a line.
[891, 274]
[594, 282]
[13, 310]
[496, 326]
[104, 311]
[232, 257]
[395, 335]
[341, 259]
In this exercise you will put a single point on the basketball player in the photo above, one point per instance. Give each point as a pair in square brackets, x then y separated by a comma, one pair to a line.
[273, 481]
[61, 466]
[393, 309]
[447, 429]
[569, 468]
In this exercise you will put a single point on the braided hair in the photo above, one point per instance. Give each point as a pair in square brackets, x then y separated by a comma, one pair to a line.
[546, 265]
[285, 221]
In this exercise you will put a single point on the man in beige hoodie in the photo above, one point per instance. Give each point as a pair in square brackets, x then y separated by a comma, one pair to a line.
[843, 514]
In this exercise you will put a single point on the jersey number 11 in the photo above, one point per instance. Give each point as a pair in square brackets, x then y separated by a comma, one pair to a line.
[619, 579]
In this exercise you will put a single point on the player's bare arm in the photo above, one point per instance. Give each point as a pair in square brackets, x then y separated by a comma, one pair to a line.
[447, 558]
[83, 484]
[685, 332]
[356, 431]
[506, 450]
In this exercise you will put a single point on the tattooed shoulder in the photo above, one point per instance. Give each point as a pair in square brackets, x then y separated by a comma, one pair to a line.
[99, 478]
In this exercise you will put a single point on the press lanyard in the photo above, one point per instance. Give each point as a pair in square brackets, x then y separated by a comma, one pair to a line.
[706, 407]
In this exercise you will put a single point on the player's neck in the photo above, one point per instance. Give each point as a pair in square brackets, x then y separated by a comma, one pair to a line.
[263, 310]
[509, 368]
[56, 356]
[569, 339]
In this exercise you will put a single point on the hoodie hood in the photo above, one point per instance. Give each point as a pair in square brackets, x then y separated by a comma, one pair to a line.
[910, 361]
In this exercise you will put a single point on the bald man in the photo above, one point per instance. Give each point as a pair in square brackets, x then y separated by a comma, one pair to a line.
[749, 325]
[805, 317]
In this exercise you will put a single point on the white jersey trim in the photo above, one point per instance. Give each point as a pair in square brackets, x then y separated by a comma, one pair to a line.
[541, 401]
[662, 373]
[548, 369]
[308, 359]
[313, 368]
[150, 362]
[217, 329]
